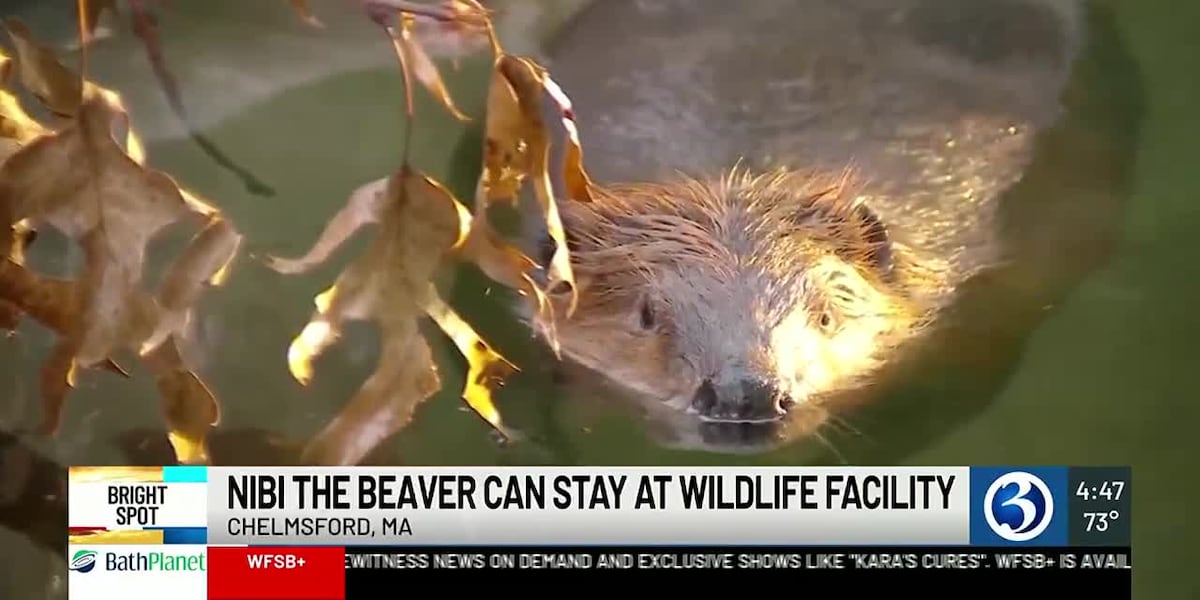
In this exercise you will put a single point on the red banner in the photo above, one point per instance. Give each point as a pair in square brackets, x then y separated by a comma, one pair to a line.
[276, 573]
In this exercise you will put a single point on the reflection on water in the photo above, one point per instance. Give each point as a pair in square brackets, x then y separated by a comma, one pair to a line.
[340, 127]
[1059, 223]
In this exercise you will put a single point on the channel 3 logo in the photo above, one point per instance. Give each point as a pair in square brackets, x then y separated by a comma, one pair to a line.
[83, 561]
[1018, 506]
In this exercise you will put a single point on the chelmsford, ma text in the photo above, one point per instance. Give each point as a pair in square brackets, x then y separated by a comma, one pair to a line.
[317, 526]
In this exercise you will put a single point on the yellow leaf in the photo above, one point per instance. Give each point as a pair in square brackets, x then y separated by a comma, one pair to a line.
[505, 264]
[486, 369]
[90, 16]
[188, 406]
[405, 375]
[413, 57]
[6, 64]
[81, 181]
[305, 13]
[420, 225]
[40, 72]
[362, 208]
[16, 124]
[517, 148]
[206, 260]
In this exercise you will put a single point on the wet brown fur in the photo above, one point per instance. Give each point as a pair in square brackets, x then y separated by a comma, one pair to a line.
[759, 234]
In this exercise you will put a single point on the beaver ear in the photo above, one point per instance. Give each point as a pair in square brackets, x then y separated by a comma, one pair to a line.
[875, 234]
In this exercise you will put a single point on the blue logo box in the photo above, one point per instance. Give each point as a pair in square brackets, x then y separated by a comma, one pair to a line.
[1019, 506]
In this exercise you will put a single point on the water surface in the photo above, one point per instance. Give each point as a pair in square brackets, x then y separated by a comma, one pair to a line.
[1091, 367]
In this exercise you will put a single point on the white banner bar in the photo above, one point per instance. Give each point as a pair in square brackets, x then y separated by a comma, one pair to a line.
[581, 505]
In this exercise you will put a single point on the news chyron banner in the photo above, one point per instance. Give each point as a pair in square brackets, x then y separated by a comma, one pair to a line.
[134, 532]
[306, 533]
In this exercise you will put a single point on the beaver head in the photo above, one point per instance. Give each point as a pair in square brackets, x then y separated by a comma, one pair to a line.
[733, 307]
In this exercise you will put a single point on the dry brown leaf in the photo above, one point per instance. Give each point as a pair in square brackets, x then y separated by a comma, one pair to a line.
[189, 408]
[206, 260]
[56, 379]
[55, 303]
[90, 16]
[132, 143]
[364, 206]
[58, 88]
[420, 225]
[49, 300]
[463, 12]
[517, 149]
[40, 71]
[20, 236]
[414, 59]
[578, 185]
[82, 183]
[470, 14]
[385, 403]
[304, 11]
[97, 191]
[15, 123]
[6, 65]
[486, 368]
[503, 263]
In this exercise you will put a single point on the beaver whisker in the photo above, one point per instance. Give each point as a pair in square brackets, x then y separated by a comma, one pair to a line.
[825, 441]
[843, 425]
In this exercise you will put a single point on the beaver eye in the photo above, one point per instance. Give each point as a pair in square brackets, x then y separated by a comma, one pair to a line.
[646, 315]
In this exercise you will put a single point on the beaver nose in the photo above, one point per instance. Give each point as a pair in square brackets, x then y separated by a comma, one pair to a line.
[705, 399]
[763, 400]
[748, 400]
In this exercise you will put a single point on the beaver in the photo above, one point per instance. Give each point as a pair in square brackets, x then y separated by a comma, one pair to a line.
[813, 182]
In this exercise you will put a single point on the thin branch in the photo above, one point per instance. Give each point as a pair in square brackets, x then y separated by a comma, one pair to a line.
[386, 9]
[409, 108]
[85, 38]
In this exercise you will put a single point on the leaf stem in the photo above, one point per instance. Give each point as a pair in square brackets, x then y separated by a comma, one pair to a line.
[84, 39]
[439, 12]
[409, 109]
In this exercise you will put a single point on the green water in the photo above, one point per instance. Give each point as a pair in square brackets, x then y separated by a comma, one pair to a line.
[1091, 368]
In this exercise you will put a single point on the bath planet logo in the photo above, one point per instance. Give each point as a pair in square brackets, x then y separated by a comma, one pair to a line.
[155, 561]
[83, 561]
[1018, 506]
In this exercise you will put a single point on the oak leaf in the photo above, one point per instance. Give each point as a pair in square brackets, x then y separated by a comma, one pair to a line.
[57, 88]
[56, 304]
[6, 66]
[89, 16]
[81, 181]
[16, 126]
[189, 408]
[20, 236]
[462, 14]
[304, 11]
[420, 225]
[523, 103]
[40, 72]
[415, 60]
